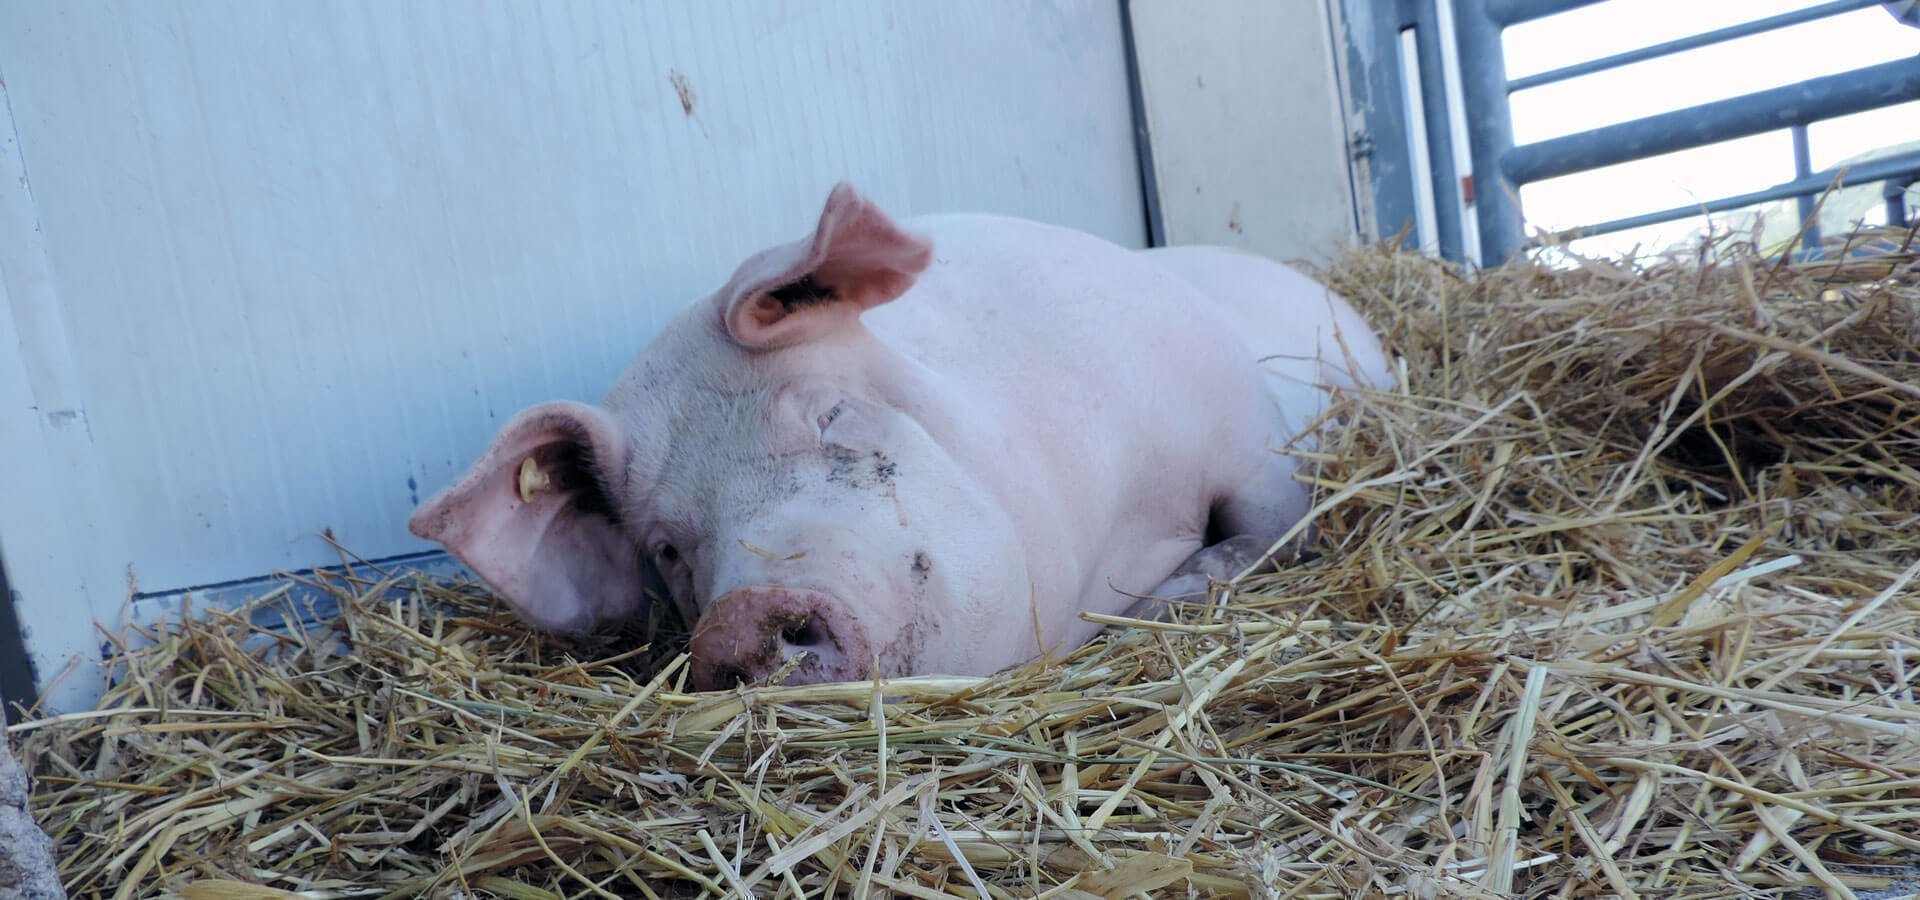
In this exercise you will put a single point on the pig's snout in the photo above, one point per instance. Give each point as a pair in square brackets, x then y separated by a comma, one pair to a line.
[752, 634]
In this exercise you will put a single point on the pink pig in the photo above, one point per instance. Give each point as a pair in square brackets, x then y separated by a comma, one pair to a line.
[921, 447]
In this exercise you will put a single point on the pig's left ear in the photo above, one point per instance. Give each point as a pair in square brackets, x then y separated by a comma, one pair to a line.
[534, 520]
[856, 259]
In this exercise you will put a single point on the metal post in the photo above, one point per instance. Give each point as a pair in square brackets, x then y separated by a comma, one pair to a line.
[1896, 194]
[1433, 97]
[1156, 229]
[1483, 82]
[1803, 167]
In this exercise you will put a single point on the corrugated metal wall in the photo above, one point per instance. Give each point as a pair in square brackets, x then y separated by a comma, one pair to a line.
[273, 268]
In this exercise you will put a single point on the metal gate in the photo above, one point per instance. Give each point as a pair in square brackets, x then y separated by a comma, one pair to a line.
[1412, 96]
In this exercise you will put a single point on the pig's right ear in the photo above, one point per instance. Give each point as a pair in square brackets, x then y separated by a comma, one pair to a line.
[857, 259]
[534, 521]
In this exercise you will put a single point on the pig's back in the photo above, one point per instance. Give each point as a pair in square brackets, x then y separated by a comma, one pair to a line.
[1005, 289]
[1287, 319]
[1114, 396]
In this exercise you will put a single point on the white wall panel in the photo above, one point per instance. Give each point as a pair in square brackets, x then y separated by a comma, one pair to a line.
[1249, 141]
[273, 268]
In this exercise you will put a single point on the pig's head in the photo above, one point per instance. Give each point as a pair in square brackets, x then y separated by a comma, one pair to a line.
[792, 479]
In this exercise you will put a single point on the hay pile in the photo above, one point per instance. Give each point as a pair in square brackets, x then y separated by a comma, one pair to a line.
[1615, 595]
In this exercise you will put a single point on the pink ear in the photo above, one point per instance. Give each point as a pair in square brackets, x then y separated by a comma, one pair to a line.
[533, 519]
[857, 259]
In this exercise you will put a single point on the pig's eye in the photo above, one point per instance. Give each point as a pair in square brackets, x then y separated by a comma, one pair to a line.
[826, 418]
[669, 553]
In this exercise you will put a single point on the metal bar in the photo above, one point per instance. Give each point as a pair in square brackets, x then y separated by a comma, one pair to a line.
[1803, 169]
[1808, 101]
[1513, 12]
[1156, 229]
[1905, 165]
[1483, 85]
[1459, 151]
[1690, 42]
[1896, 193]
[1426, 232]
[1433, 103]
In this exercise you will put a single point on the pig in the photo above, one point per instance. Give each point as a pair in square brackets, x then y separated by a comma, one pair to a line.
[918, 447]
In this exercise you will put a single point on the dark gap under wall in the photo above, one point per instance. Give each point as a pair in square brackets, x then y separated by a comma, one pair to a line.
[16, 671]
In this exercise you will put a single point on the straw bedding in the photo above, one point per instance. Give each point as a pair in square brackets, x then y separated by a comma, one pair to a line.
[1615, 594]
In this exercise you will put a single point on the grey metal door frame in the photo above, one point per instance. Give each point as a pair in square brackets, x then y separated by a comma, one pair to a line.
[1383, 141]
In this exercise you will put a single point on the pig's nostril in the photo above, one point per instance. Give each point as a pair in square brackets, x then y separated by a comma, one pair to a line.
[802, 634]
[727, 678]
